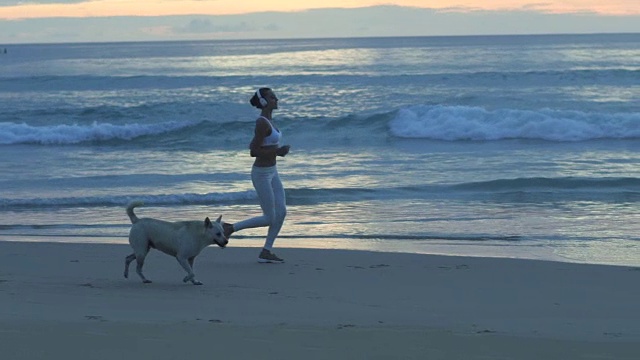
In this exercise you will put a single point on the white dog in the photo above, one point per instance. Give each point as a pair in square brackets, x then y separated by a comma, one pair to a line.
[183, 239]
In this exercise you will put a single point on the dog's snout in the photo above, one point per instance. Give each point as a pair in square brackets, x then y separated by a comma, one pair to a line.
[222, 243]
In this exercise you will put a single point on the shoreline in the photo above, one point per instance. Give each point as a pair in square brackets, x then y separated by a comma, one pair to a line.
[69, 298]
[525, 250]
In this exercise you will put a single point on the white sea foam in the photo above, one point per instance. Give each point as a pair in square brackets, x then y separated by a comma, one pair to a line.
[170, 199]
[475, 123]
[14, 133]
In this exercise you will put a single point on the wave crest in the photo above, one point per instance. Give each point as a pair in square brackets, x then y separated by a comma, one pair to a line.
[13, 133]
[453, 123]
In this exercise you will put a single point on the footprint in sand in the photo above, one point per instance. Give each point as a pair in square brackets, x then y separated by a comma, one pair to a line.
[457, 267]
[344, 326]
[378, 266]
[612, 334]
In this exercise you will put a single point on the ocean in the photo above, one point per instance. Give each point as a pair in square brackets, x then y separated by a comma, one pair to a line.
[493, 146]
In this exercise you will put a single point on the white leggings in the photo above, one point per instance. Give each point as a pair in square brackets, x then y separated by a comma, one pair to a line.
[272, 201]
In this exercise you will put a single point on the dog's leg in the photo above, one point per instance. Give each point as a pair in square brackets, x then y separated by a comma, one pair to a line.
[128, 261]
[140, 263]
[186, 265]
[139, 241]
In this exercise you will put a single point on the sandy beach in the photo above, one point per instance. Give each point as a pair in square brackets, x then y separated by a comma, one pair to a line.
[71, 301]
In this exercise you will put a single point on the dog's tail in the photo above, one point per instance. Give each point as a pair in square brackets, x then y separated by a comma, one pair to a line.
[130, 207]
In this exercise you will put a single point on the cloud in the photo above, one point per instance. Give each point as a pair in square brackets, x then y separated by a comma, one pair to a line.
[209, 26]
[536, 6]
[548, 8]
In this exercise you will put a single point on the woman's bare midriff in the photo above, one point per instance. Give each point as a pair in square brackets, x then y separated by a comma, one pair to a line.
[266, 161]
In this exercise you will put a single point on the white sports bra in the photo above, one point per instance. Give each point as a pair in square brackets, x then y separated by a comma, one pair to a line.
[274, 137]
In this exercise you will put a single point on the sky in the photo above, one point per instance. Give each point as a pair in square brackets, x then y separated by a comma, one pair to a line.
[45, 21]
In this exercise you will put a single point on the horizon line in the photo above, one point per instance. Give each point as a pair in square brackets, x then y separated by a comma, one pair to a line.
[4, 45]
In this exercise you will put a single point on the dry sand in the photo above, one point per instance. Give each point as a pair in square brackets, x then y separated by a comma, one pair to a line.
[70, 301]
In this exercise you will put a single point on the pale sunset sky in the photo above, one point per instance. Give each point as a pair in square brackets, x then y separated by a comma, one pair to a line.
[127, 20]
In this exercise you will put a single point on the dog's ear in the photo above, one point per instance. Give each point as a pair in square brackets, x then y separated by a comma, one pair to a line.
[207, 222]
[219, 219]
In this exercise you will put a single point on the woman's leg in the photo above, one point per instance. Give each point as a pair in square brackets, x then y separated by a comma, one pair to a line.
[261, 178]
[280, 211]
